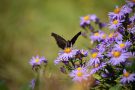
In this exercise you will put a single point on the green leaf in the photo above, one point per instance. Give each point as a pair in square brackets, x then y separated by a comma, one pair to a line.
[117, 87]
[96, 76]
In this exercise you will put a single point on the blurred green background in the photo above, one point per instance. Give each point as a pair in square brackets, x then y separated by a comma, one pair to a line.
[25, 28]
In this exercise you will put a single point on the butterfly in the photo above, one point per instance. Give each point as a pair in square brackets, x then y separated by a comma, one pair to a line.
[62, 43]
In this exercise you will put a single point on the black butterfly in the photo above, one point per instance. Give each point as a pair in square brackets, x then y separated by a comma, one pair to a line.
[62, 43]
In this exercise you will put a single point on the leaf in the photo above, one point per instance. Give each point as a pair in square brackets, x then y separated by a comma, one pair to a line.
[116, 87]
[96, 76]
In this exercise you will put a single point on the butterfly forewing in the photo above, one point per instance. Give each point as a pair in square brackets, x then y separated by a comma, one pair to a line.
[61, 42]
[73, 40]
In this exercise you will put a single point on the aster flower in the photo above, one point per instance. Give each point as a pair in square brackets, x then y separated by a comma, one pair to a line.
[115, 24]
[32, 84]
[97, 67]
[37, 60]
[117, 14]
[79, 74]
[131, 3]
[126, 9]
[95, 58]
[67, 54]
[132, 19]
[101, 47]
[122, 45]
[127, 77]
[93, 18]
[85, 20]
[98, 36]
[131, 28]
[118, 56]
[115, 36]
[81, 53]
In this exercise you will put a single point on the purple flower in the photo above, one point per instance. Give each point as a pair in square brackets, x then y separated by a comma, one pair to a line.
[127, 77]
[37, 60]
[79, 74]
[115, 24]
[117, 14]
[98, 36]
[67, 54]
[122, 45]
[131, 3]
[132, 19]
[126, 9]
[131, 28]
[95, 58]
[32, 84]
[118, 57]
[81, 53]
[93, 17]
[85, 20]
[115, 36]
[97, 67]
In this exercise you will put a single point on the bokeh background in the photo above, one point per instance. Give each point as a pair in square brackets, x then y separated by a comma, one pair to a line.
[25, 31]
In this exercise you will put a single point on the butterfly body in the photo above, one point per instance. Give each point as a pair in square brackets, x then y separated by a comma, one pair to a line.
[62, 43]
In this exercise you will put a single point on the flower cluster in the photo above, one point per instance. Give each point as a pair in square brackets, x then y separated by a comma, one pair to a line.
[112, 57]
[73, 62]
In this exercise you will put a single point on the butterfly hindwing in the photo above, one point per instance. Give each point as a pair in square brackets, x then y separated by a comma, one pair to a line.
[73, 40]
[61, 42]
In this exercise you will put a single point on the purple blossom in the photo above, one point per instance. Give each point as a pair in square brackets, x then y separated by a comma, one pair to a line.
[131, 28]
[37, 60]
[117, 14]
[118, 56]
[85, 20]
[132, 19]
[126, 9]
[95, 58]
[127, 77]
[79, 74]
[131, 3]
[32, 84]
[81, 53]
[67, 54]
[93, 17]
[122, 45]
[97, 67]
[115, 24]
[115, 36]
[98, 36]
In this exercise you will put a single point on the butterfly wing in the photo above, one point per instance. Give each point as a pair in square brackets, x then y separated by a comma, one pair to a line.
[61, 42]
[72, 41]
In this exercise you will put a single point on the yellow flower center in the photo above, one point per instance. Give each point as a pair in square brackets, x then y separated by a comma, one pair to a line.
[115, 22]
[122, 45]
[116, 54]
[94, 55]
[111, 35]
[96, 34]
[79, 74]
[79, 68]
[126, 74]
[86, 18]
[37, 60]
[117, 10]
[67, 50]
[96, 65]
[104, 36]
